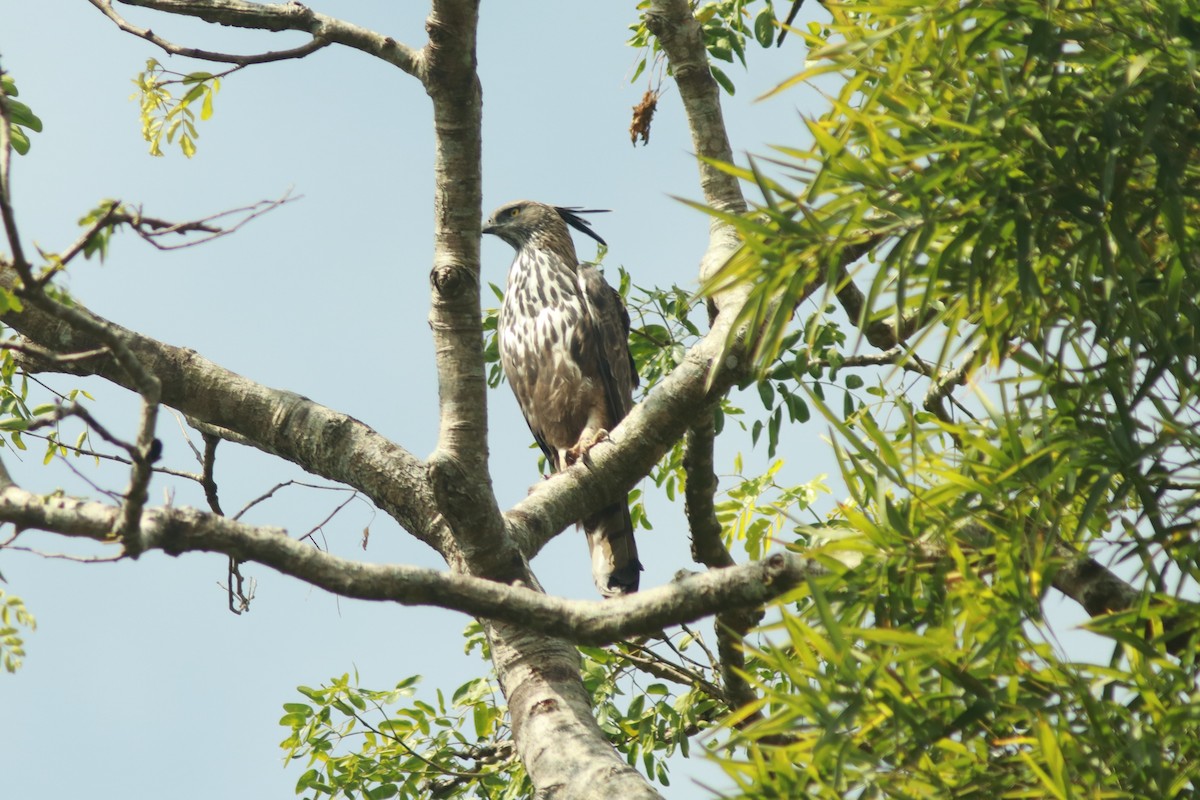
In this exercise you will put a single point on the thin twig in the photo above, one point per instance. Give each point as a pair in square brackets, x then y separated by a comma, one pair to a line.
[42, 354]
[151, 229]
[321, 525]
[191, 476]
[65, 556]
[75, 249]
[267, 495]
[651, 662]
[387, 735]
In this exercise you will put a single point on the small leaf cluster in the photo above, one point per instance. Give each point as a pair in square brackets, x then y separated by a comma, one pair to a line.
[662, 327]
[756, 510]
[491, 339]
[165, 117]
[21, 117]
[658, 720]
[807, 360]
[16, 413]
[363, 743]
[97, 243]
[13, 617]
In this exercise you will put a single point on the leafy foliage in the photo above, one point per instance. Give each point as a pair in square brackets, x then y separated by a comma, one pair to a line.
[96, 220]
[22, 119]
[13, 617]
[757, 511]
[405, 751]
[166, 117]
[1022, 180]
[360, 742]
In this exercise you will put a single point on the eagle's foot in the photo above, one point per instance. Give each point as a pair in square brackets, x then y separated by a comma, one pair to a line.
[582, 449]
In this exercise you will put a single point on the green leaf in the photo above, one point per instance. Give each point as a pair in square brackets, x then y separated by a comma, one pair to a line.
[764, 26]
[722, 79]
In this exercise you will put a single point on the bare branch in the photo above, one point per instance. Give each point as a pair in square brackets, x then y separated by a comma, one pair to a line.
[106, 9]
[681, 37]
[208, 465]
[458, 467]
[942, 385]
[152, 229]
[215, 400]
[710, 550]
[329, 517]
[1092, 585]
[699, 491]
[650, 662]
[267, 495]
[64, 556]
[883, 334]
[285, 16]
[179, 530]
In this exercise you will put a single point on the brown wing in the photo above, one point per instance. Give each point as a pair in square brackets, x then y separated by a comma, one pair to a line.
[610, 322]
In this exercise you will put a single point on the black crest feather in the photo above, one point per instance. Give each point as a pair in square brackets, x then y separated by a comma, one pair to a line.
[570, 215]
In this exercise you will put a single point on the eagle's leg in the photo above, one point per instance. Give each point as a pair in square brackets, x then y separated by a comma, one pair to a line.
[582, 449]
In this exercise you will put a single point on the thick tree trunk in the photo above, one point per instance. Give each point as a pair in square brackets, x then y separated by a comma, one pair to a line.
[557, 738]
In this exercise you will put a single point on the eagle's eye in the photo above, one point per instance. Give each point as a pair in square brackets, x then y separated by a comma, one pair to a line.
[512, 212]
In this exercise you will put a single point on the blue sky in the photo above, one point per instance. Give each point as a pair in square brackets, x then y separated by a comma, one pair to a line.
[139, 682]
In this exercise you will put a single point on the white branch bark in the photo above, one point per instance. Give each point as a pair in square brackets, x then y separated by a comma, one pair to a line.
[680, 36]
[318, 439]
[176, 531]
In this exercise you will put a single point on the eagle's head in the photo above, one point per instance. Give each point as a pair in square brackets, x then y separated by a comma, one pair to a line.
[523, 221]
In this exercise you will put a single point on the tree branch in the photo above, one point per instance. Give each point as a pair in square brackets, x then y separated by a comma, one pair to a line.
[143, 381]
[318, 439]
[289, 16]
[458, 467]
[654, 664]
[175, 531]
[882, 334]
[107, 10]
[708, 549]
[698, 495]
[680, 35]
[682, 40]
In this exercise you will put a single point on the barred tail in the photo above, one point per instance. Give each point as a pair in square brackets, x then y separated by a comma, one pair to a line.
[615, 564]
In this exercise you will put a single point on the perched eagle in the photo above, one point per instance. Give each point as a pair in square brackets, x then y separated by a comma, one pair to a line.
[564, 345]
